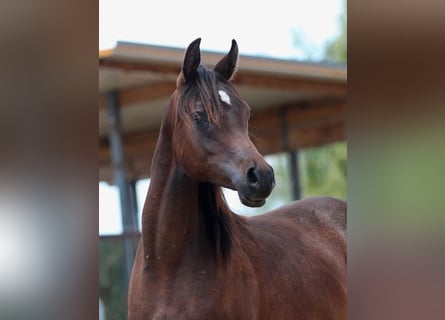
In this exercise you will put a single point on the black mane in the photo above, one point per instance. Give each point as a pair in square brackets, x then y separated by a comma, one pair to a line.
[221, 223]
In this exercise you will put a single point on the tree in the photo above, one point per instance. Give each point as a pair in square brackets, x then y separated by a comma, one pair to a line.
[336, 49]
[112, 288]
[323, 170]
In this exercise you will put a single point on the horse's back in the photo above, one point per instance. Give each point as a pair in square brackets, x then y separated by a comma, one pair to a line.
[300, 250]
[313, 210]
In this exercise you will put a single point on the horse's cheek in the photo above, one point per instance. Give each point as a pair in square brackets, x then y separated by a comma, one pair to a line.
[189, 159]
[184, 150]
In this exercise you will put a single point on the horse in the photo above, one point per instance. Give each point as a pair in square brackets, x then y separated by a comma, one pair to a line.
[196, 258]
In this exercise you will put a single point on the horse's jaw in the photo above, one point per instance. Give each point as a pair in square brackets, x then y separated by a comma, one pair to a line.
[251, 203]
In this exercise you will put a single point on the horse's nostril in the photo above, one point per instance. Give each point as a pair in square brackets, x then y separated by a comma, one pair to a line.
[251, 176]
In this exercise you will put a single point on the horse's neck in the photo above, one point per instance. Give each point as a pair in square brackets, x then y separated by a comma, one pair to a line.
[170, 219]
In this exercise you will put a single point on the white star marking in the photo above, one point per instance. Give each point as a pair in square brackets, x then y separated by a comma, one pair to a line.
[224, 96]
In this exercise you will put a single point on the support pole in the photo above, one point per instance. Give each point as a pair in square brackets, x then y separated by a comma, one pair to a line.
[295, 176]
[134, 202]
[292, 156]
[128, 209]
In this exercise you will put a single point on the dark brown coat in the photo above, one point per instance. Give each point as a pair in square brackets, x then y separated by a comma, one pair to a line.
[197, 259]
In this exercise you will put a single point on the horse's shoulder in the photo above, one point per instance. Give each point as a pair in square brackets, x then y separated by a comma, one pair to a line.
[311, 211]
[327, 210]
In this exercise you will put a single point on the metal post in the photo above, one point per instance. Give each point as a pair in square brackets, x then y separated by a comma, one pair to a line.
[129, 214]
[295, 176]
[293, 156]
[134, 202]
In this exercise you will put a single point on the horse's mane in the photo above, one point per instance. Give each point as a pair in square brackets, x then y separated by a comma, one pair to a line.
[222, 224]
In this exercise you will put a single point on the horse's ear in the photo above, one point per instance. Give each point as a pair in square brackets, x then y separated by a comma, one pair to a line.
[226, 66]
[192, 60]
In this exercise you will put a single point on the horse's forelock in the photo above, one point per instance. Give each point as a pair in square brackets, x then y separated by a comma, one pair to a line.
[202, 89]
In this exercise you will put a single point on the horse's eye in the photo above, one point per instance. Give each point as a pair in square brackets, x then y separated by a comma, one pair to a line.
[200, 118]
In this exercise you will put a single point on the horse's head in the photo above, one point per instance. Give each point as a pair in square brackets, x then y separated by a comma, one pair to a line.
[210, 132]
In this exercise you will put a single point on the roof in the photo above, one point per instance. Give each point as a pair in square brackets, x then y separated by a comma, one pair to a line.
[294, 104]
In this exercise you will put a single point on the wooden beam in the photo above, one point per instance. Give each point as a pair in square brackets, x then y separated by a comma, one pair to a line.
[301, 138]
[138, 66]
[297, 116]
[145, 93]
[305, 85]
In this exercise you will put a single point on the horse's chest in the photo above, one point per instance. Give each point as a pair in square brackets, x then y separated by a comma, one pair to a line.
[201, 310]
[198, 295]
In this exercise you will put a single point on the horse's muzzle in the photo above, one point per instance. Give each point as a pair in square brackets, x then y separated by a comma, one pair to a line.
[258, 185]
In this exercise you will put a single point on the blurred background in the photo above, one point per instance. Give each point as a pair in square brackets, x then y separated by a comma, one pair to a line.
[291, 71]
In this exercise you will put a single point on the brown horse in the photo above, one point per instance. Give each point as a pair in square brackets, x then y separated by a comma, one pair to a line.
[199, 260]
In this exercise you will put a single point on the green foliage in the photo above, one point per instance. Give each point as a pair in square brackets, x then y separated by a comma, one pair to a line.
[111, 279]
[336, 49]
[323, 171]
